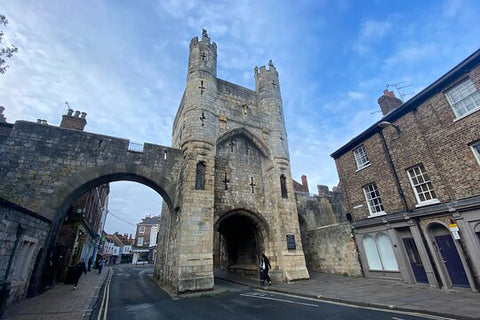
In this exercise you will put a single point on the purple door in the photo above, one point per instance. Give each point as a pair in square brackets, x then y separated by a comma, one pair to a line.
[452, 260]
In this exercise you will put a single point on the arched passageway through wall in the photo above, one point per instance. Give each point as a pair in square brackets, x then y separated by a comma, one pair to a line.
[73, 234]
[239, 241]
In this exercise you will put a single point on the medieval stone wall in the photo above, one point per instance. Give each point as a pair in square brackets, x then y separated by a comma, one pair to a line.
[41, 163]
[22, 235]
[326, 233]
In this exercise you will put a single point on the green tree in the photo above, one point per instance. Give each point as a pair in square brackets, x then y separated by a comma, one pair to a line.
[6, 51]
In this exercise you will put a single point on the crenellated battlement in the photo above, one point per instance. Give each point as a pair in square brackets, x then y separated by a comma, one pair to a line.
[205, 41]
[263, 69]
[266, 81]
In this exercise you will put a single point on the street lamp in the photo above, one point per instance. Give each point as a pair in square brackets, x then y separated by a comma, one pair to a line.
[385, 124]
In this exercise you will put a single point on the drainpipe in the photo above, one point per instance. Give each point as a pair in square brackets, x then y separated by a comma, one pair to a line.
[382, 125]
[394, 172]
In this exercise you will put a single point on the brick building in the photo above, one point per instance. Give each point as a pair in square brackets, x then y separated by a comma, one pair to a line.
[411, 184]
[146, 239]
[147, 231]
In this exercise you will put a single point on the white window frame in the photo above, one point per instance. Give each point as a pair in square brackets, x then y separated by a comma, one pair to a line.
[141, 229]
[374, 201]
[361, 157]
[464, 99]
[379, 253]
[420, 180]
[476, 150]
[140, 241]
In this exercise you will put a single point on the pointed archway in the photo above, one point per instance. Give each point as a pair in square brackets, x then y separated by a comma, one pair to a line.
[239, 241]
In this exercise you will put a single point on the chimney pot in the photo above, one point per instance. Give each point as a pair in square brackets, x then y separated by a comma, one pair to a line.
[74, 121]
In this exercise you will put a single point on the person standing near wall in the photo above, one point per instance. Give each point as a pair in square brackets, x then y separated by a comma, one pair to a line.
[79, 268]
[264, 267]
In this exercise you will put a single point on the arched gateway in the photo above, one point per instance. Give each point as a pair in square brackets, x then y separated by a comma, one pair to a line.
[226, 182]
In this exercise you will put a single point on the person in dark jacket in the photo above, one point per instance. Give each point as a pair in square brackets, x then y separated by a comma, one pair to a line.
[80, 268]
[100, 264]
[264, 267]
[90, 262]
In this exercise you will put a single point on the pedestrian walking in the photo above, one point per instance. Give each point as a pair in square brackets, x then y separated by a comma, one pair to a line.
[90, 261]
[264, 267]
[100, 263]
[77, 272]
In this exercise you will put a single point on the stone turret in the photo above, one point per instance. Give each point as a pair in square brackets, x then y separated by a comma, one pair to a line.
[267, 87]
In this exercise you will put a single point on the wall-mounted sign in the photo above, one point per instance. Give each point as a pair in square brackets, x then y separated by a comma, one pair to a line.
[291, 242]
[454, 230]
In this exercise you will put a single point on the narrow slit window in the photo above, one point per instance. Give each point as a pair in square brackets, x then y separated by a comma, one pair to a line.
[200, 176]
[283, 186]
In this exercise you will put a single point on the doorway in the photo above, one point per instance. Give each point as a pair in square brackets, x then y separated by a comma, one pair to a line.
[415, 260]
[449, 255]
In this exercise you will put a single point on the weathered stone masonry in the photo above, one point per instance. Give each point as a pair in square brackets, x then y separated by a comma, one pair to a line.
[238, 137]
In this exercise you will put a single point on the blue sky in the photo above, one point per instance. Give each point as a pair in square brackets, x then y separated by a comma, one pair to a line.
[124, 63]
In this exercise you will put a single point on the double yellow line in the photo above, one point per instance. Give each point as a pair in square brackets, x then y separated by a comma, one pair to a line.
[106, 294]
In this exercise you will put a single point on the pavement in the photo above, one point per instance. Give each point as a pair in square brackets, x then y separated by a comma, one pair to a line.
[63, 303]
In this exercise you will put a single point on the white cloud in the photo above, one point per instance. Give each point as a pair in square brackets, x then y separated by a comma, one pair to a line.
[373, 30]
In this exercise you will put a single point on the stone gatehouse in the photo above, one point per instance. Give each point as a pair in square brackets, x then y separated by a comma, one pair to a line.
[235, 198]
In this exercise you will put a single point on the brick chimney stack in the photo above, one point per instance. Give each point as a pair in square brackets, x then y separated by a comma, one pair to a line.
[305, 183]
[73, 121]
[388, 102]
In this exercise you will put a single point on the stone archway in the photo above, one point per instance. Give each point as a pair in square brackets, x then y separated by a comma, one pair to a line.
[239, 241]
[90, 178]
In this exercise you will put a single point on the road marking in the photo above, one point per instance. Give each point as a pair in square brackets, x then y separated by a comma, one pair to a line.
[259, 296]
[410, 313]
[105, 298]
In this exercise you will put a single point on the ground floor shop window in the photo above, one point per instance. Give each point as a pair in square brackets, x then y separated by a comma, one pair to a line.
[379, 253]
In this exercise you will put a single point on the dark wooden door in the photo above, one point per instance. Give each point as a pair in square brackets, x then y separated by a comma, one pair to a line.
[452, 260]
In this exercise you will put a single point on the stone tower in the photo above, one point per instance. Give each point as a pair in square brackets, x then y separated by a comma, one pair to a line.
[235, 197]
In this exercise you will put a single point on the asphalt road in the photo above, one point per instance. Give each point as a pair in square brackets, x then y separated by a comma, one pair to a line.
[131, 294]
